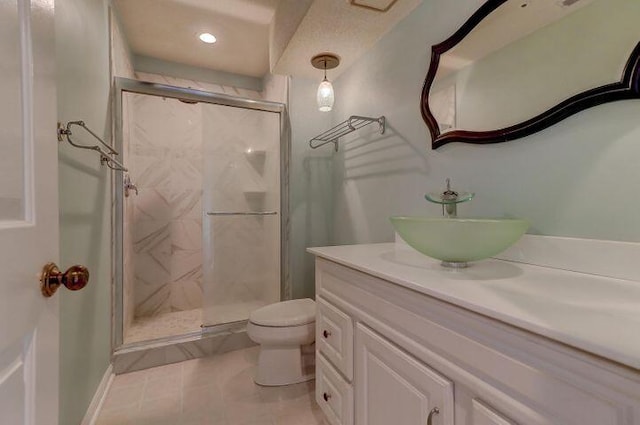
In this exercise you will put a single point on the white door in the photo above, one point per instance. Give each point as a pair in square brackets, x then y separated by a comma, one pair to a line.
[28, 213]
[392, 387]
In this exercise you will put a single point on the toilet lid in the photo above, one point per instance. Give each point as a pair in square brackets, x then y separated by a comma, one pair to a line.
[285, 313]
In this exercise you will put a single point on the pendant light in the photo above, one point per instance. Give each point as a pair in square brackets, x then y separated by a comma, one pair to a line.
[325, 96]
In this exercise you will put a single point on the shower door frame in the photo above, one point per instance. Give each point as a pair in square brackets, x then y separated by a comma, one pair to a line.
[126, 85]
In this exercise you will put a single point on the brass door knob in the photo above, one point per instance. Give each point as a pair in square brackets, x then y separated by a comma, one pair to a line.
[75, 278]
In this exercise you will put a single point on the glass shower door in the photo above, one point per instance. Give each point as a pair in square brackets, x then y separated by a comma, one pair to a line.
[241, 203]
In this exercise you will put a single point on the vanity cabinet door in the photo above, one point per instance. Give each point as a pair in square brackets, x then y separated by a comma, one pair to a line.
[393, 388]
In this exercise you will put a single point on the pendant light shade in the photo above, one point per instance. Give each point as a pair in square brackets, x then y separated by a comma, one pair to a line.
[325, 96]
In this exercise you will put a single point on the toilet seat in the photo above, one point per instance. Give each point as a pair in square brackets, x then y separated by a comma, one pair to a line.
[285, 314]
[285, 336]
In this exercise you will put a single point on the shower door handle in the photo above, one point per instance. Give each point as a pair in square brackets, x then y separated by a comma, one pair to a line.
[218, 213]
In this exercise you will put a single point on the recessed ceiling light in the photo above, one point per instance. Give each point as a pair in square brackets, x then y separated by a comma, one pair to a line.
[208, 38]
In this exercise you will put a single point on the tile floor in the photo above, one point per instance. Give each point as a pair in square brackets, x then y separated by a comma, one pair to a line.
[214, 390]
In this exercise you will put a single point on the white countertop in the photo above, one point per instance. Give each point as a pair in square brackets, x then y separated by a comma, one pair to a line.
[596, 314]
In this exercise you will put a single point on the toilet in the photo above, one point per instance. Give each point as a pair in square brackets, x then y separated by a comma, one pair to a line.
[284, 331]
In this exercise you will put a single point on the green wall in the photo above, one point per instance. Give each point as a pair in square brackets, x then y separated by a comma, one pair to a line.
[82, 50]
[577, 178]
[311, 197]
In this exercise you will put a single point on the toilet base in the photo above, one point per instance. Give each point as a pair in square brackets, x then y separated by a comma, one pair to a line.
[278, 365]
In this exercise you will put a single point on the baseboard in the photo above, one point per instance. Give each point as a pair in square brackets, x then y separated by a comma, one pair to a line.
[98, 398]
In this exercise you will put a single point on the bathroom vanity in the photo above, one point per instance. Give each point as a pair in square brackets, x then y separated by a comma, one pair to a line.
[402, 341]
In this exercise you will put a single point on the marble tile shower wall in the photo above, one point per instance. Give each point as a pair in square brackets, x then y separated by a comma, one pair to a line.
[163, 225]
[128, 307]
[242, 257]
[166, 165]
[208, 87]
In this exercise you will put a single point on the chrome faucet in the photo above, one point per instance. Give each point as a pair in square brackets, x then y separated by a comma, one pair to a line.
[449, 199]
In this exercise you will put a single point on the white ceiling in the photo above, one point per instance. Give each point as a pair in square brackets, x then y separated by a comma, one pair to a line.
[168, 30]
[338, 27]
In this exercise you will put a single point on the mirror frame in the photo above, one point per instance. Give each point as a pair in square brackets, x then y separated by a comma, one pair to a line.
[627, 88]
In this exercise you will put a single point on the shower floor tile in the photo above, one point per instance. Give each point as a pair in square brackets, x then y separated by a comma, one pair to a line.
[181, 322]
[228, 313]
[212, 390]
[163, 325]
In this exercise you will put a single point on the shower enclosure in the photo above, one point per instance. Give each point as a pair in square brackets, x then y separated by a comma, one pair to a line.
[198, 241]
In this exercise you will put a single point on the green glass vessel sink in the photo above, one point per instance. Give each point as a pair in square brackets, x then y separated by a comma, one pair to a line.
[456, 241]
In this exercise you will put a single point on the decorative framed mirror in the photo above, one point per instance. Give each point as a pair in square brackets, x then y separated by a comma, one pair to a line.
[516, 67]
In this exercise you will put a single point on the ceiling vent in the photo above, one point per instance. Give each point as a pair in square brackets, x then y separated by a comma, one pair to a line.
[379, 5]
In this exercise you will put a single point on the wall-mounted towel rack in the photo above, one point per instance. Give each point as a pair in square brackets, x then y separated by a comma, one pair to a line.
[350, 125]
[105, 158]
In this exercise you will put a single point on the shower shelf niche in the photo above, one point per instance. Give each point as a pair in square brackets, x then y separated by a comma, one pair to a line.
[255, 194]
[257, 159]
[251, 153]
[355, 122]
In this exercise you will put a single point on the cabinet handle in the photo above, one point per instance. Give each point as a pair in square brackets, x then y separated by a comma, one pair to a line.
[326, 334]
[326, 396]
[434, 411]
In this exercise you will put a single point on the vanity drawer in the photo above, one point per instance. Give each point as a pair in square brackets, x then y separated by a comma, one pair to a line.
[334, 337]
[334, 394]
